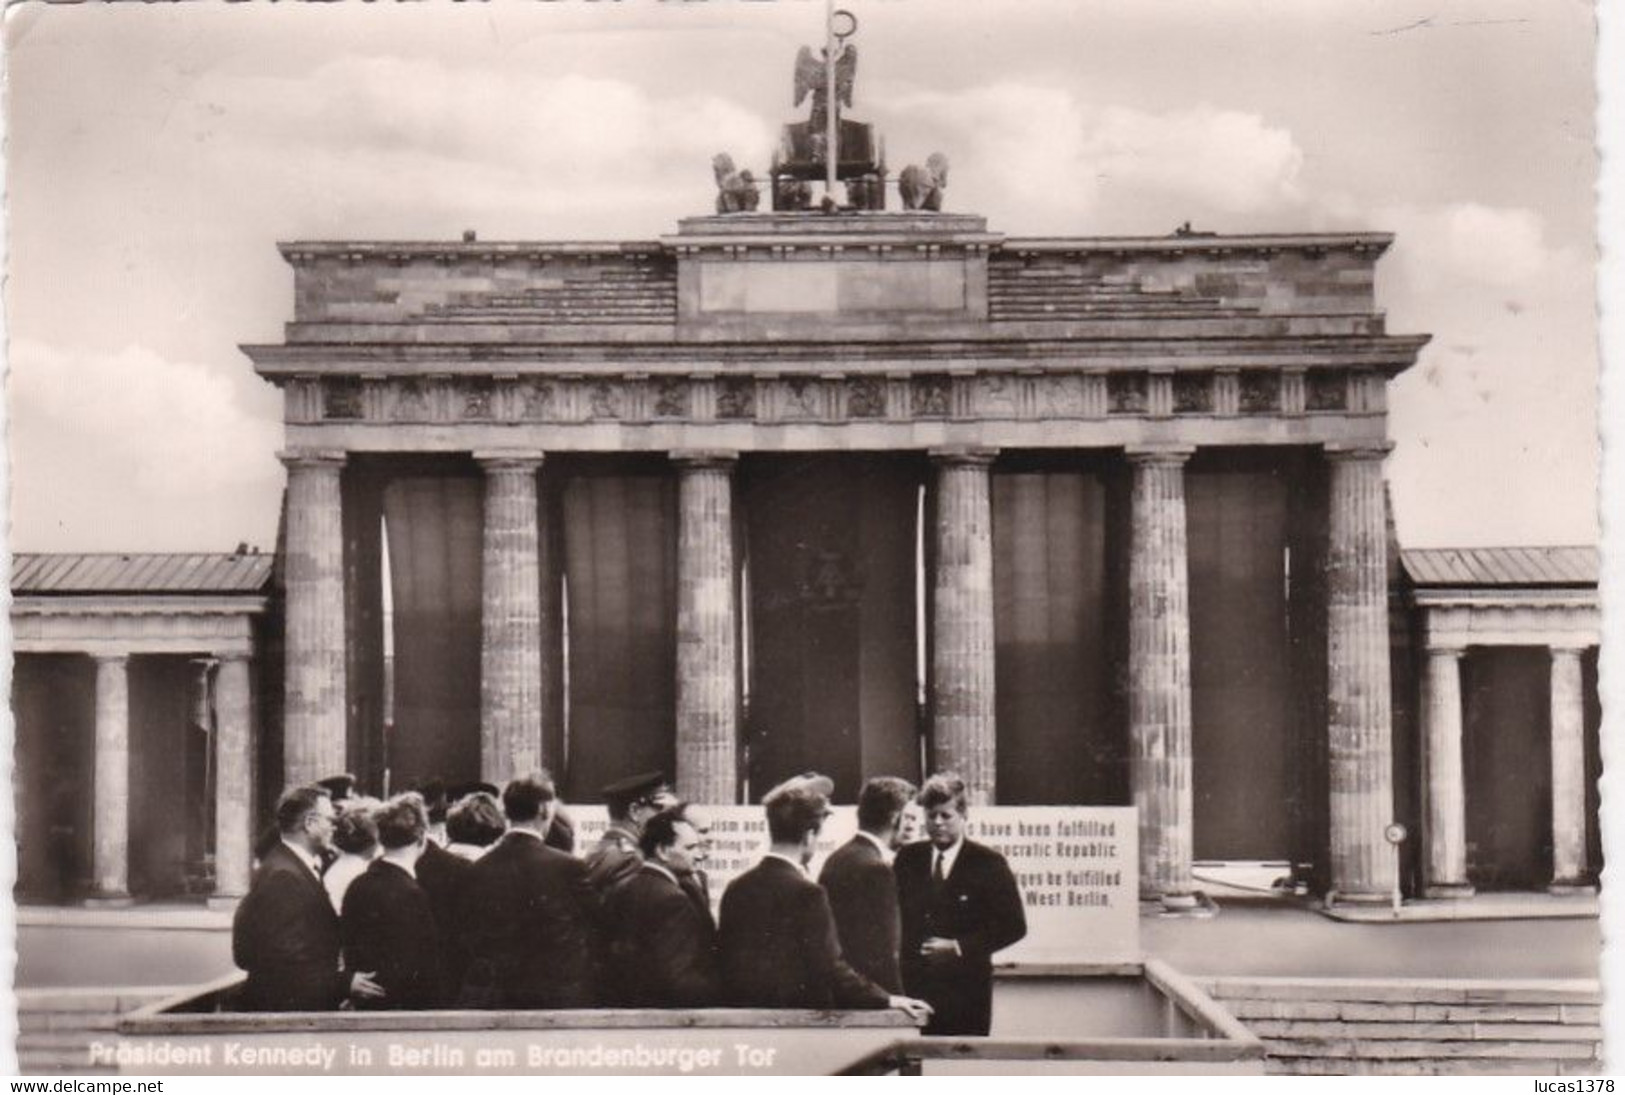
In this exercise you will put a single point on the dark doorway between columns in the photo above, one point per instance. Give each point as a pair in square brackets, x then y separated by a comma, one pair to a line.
[1256, 528]
[1507, 766]
[1060, 543]
[832, 548]
[53, 700]
[171, 807]
[1593, 759]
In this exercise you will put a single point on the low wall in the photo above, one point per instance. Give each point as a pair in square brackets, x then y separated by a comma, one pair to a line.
[56, 1026]
[1376, 1026]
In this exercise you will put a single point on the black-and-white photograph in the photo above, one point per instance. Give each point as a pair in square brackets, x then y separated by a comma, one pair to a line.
[818, 537]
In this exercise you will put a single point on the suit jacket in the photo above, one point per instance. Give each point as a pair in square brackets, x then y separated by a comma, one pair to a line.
[863, 896]
[286, 935]
[532, 924]
[978, 906]
[388, 929]
[444, 877]
[614, 859]
[561, 832]
[779, 948]
[662, 946]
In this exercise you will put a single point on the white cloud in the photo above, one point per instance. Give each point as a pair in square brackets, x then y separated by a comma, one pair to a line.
[1047, 162]
[139, 452]
[389, 139]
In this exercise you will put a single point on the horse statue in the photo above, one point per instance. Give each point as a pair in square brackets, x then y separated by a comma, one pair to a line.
[736, 190]
[922, 187]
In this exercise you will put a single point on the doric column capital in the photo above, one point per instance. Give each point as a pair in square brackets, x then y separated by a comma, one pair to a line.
[115, 660]
[1445, 649]
[1166, 455]
[222, 656]
[1359, 450]
[1567, 648]
[509, 459]
[964, 455]
[312, 458]
[704, 459]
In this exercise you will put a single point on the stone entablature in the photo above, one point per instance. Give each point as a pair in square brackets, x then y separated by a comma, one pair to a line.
[1558, 618]
[115, 626]
[889, 409]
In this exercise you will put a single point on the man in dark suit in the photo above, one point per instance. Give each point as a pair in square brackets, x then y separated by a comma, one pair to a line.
[862, 891]
[662, 940]
[285, 932]
[960, 904]
[387, 924]
[778, 942]
[531, 913]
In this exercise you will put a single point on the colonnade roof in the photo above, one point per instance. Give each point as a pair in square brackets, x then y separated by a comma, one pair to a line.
[199, 573]
[1501, 567]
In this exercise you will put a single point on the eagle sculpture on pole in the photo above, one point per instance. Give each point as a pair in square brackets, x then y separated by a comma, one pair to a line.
[815, 76]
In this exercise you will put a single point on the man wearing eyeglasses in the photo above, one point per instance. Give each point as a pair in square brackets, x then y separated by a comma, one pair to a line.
[285, 933]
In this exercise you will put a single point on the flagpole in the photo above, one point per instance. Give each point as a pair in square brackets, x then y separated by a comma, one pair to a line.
[832, 144]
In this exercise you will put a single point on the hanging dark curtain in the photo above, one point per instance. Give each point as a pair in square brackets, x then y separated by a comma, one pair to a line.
[434, 525]
[1242, 699]
[620, 565]
[832, 563]
[364, 624]
[1060, 737]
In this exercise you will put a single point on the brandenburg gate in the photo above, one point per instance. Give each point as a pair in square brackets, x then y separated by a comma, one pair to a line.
[1093, 520]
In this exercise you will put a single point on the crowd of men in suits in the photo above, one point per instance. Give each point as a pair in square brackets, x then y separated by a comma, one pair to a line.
[411, 903]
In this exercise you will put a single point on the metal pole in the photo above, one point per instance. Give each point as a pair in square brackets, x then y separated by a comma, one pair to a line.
[832, 146]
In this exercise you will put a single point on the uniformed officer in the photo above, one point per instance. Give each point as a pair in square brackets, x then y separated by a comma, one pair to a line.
[631, 801]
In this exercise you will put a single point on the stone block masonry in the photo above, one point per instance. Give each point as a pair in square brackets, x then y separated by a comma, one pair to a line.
[1338, 1027]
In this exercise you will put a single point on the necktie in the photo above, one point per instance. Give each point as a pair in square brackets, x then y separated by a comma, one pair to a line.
[938, 876]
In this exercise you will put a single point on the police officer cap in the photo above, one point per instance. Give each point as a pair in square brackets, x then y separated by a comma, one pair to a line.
[807, 793]
[633, 788]
[338, 787]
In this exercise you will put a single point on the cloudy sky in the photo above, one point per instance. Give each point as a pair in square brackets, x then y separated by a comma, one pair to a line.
[157, 153]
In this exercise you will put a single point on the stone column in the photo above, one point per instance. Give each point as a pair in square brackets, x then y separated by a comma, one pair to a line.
[1365, 867]
[962, 728]
[314, 717]
[707, 622]
[1159, 669]
[1568, 774]
[1446, 807]
[511, 618]
[110, 819]
[233, 779]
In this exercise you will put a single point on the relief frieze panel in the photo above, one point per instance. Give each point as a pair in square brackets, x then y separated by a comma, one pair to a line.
[929, 396]
[866, 397]
[1030, 395]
